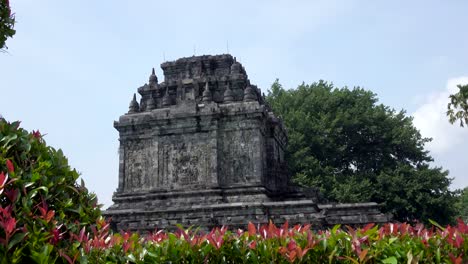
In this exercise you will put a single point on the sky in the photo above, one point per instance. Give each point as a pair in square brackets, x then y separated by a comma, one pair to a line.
[73, 66]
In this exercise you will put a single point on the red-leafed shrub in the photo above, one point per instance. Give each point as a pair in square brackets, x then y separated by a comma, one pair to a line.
[40, 202]
[389, 243]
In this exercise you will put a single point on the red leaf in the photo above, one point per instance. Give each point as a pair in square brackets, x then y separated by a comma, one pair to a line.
[10, 166]
[282, 250]
[462, 227]
[36, 134]
[183, 233]
[292, 245]
[82, 235]
[3, 179]
[454, 260]
[458, 240]
[363, 254]
[263, 232]
[12, 194]
[272, 230]
[50, 215]
[223, 230]
[10, 225]
[253, 244]
[252, 229]
[292, 256]
[304, 252]
[305, 228]
[69, 260]
[367, 227]
[126, 246]
[284, 229]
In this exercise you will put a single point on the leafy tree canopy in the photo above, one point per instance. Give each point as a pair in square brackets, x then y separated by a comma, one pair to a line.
[463, 205]
[457, 108]
[7, 21]
[356, 150]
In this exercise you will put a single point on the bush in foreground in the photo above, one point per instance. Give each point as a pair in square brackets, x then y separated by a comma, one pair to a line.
[40, 202]
[390, 243]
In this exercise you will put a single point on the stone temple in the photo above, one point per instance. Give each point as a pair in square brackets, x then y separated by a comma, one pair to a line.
[203, 148]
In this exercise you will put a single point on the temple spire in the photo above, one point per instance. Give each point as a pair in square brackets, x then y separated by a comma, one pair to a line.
[228, 95]
[166, 101]
[206, 97]
[249, 94]
[153, 79]
[134, 106]
[150, 104]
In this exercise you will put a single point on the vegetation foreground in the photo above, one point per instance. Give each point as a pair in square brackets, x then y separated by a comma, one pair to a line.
[46, 217]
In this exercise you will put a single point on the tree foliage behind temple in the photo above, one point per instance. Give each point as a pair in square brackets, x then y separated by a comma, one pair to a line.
[457, 108]
[356, 150]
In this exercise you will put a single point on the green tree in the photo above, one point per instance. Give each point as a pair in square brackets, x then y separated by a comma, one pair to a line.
[7, 22]
[356, 150]
[463, 205]
[457, 108]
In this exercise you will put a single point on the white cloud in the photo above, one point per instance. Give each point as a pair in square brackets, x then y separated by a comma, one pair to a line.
[431, 119]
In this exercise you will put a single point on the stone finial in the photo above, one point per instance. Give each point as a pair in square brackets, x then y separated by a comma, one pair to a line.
[153, 79]
[228, 95]
[150, 103]
[236, 67]
[249, 94]
[206, 97]
[134, 106]
[166, 101]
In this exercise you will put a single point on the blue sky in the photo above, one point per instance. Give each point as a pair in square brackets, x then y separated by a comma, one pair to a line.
[73, 66]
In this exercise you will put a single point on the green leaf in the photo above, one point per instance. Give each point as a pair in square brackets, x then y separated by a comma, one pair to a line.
[16, 239]
[131, 257]
[35, 177]
[8, 139]
[436, 224]
[390, 260]
[391, 240]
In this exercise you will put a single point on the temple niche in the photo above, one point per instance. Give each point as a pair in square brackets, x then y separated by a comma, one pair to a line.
[203, 148]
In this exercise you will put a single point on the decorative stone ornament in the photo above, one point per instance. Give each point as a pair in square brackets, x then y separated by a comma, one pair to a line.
[150, 104]
[228, 95]
[166, 101]
[153, 79]
[206, 94]
[134, 106]
[249, 94]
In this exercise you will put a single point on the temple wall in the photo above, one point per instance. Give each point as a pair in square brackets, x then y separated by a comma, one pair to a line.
[240, 153]
[170, 162]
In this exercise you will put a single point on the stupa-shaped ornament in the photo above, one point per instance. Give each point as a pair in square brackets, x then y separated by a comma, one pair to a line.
[228, 95]
[150, 104]
[153, 79]
[166, 101]
[236, 67]
[206, 97]
[249, 94]
[134, 106]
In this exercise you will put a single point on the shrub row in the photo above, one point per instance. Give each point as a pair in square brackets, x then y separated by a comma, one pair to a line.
[390, 243]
